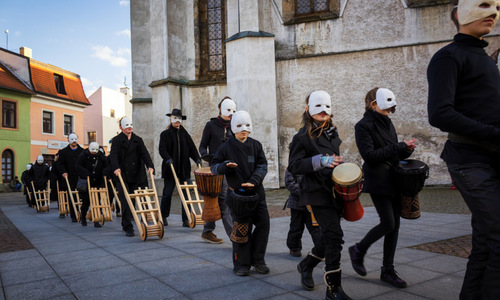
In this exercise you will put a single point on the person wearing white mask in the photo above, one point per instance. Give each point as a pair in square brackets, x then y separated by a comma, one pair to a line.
[176, 148]
[215, 133]
[242, 160]
[464, 100]
[65, 166]
[129, 157]
[39, 174]
[314, 152]
[92, 164]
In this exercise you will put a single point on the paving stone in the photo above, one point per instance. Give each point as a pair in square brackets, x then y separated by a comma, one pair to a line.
[41, 289]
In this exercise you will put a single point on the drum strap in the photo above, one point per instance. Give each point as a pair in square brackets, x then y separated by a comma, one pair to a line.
[465, 140]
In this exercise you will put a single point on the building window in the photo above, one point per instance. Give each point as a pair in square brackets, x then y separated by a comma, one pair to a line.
[212, 14]
[112, 113]
[300, 11]
[9, 114]
[7, 165]
[59, 81]
[48, 122]
[68, 124]
[311, 6]
[91, 136]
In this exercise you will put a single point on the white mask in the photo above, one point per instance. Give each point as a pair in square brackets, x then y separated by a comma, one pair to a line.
[241, 121]
[319, 101]
[94, 147]
[227, 107]
[28, 167]
[126, 123]
[174, 119]
[73, 138]
[39, 159]
[470, 10]
[385, 99]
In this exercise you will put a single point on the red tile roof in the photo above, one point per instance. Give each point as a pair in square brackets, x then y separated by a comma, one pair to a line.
[43, 80]
[11, 82]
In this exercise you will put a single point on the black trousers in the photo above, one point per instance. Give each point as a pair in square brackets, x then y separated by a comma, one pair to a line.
[254, 251]
[389, 212]
[166, 198]
[479, 185]
[298, 220]
[126, 212]
[328, 218]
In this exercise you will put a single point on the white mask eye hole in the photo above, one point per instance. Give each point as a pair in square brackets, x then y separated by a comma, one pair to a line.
[248, 125]
[484, 5]
[239, 125]
[328, 106]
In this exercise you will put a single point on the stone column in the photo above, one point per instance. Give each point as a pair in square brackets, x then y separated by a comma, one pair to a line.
[251, 79]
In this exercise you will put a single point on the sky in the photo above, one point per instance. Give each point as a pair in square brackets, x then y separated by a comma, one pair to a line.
[88, 37]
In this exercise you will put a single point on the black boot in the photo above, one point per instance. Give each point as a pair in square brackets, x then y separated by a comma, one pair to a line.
[305, 268]
[334, 290]
[389, 275]
[357, 257]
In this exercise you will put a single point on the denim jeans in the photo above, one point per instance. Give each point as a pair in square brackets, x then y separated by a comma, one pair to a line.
[479, 184]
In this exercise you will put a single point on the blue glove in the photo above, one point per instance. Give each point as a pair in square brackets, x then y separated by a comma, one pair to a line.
[327, 160]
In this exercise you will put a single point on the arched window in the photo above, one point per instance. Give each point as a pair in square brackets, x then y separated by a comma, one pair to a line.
[7, 165]
[212, 26]
[299, 11]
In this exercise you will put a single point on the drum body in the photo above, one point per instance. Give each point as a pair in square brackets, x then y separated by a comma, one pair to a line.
[411, 175]
[209, 186]
[348, 185]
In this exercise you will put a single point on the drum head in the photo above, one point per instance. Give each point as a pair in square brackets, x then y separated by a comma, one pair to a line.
[203, 171]
[346, 174]
[411, 164]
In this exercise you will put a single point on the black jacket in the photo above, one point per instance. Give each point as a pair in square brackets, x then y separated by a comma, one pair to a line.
[292, 185]
[378, 145]
[215, 133]
[464, 98]
[39, 174]
[93, 166]
[66, 164]
[316, 184]
[130, 156]
[177, 146]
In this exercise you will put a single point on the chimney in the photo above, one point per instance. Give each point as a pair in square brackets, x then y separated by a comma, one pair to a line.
[26, 52]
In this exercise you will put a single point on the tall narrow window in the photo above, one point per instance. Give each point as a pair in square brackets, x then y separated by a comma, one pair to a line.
[48, 122]
[68, 124]
[212, 24]
[9, 114]
[311, 6]
[7, 165]
[59, 81]
[91, 136]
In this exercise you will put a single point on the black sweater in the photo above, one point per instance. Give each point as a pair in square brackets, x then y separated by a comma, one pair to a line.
[464, 98]
[215, 133]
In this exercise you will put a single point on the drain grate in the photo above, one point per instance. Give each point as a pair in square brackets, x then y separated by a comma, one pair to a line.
[459, 246]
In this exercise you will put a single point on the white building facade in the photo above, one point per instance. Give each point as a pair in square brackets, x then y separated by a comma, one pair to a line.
[268, 55]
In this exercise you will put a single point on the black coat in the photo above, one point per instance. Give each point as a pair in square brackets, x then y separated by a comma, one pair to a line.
[215, 133]
[39, 174]
[316, 185]
[66, 164]
[292, 185]
[93, 166]
[130, 156]
[177, 146]
[378, 145]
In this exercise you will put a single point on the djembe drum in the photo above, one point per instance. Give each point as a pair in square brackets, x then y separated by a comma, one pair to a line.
[242, 203]
[209, 186]
[348, 185]
[411, 175]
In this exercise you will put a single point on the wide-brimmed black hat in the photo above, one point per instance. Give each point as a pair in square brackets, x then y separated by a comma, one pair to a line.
[178, 113]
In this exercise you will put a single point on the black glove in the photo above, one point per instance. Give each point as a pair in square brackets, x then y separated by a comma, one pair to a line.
[168, 162]
[207, 157]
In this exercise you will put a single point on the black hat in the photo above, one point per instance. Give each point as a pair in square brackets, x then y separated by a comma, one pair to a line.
[178, 113]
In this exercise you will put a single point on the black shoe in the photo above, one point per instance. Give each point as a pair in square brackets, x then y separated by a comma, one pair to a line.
[130, 233]
[185, 224]
[97, 225]
[242, 272]
[295, 253]
[62, 216]
[165, 222]
[83, 222]
[389, 275]
[73, 220]
[261, 268]
[357, 258]
[306, 268]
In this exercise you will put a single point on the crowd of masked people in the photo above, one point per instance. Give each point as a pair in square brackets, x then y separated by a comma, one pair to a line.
[464, 94]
